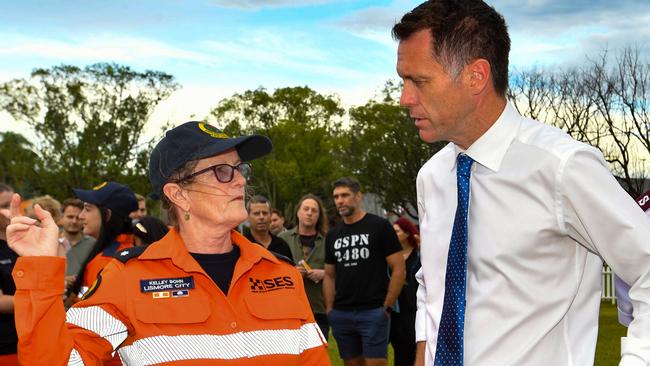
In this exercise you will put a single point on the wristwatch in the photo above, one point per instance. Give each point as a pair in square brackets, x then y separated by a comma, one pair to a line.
[388, 309]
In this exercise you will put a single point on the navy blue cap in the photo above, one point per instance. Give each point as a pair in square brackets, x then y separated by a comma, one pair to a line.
[119, 198]
[197, 140]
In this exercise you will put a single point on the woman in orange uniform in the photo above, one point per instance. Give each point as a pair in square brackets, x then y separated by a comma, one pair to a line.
[203, 295]
[105, 217]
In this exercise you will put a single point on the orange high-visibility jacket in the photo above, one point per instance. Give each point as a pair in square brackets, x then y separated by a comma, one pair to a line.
[161, 308]
[95, 265]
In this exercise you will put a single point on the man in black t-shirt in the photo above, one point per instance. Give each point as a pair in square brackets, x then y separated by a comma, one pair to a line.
[8, 337]
[259, 217]
[360, 253]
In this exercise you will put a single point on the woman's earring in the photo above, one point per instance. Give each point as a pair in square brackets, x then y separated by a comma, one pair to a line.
[187, 215]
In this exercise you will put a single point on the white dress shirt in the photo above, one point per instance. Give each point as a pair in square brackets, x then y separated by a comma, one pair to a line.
[543, 210]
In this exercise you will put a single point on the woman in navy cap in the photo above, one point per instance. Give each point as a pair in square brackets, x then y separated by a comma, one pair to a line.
[202, 295]
[105, 217]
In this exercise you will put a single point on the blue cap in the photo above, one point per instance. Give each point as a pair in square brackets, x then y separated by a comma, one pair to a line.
[197, 140]
[119, 198]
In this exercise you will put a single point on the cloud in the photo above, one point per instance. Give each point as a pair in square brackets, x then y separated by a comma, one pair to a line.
[269, 48]
[372, 23]
[542, 31]
[559, 32]
[264, 4]
[375, 23]
[131, 50]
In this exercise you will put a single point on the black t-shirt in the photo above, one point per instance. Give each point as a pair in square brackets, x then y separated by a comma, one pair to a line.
[308, 243]
[278, 245]
[8, 337]
[219, 267]
[359, 252]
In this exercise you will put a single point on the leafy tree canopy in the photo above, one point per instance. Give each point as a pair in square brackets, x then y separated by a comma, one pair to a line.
[89, 122]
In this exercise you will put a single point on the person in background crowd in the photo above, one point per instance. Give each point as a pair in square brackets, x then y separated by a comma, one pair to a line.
[516, 217]
[359, 295]
[8, 336]
[148, 229]
[72, 232]
[307, 243]
[402, 321]
[142, 208]
[53, 206]
[203, 295]
[6, 192]
[105, 217]
[277, 222]
[259, 214]
[622, 289]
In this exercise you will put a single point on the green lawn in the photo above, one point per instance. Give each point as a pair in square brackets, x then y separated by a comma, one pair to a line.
[608, 349]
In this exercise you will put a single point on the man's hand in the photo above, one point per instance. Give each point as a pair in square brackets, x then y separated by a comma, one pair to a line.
[302, 270]
[30, 237]
[419, 353]
[316, 275]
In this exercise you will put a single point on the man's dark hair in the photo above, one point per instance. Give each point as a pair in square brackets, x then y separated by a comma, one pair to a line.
[74, 202]
[351, 183]
[257, 199]
[277, 212]
[5, 188]
[462, 31]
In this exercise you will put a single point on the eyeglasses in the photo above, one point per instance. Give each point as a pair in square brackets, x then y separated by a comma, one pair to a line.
[224, 172]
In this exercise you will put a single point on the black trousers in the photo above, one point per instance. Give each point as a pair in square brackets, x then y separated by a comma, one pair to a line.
[402, 337]
[323, 324]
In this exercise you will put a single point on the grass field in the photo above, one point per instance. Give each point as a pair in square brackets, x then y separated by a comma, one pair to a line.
[608, 349]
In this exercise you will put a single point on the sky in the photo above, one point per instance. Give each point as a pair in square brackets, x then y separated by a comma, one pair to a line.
[215, 48]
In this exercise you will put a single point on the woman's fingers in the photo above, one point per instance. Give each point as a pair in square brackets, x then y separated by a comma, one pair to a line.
[18, 227]
[15, 205]
[43, 216]
[23, 220]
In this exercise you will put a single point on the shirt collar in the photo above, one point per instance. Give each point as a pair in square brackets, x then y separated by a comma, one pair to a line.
[491, 147]
[171, 246]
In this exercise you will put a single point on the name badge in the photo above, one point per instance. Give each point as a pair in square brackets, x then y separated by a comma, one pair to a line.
[167, 284]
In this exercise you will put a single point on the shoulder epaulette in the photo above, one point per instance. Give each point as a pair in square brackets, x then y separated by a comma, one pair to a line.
[126, 254]
[283, 258]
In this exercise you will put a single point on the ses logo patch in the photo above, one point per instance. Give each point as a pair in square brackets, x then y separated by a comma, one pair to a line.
[271, 284]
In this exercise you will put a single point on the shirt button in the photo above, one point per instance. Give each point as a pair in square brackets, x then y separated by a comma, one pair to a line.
[20, 273]
[233, 325]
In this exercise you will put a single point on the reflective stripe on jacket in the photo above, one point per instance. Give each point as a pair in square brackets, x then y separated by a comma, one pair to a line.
[264, 320]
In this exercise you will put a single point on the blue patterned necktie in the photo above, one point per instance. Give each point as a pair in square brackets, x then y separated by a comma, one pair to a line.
[449, 349]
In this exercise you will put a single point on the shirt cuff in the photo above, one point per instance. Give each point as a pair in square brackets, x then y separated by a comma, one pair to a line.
[40, 273]
[420, 326]
[634, 351]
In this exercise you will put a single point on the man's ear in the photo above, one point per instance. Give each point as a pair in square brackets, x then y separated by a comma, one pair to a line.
[177, 195]
[478, 75]
[109, 213]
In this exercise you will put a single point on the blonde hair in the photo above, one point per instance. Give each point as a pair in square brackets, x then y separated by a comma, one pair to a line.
[48, 203]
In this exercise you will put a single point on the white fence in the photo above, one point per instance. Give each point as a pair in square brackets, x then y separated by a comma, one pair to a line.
[607, 285]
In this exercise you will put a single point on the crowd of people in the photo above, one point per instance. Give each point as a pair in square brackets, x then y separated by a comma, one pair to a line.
[503, 267]
[204, 193]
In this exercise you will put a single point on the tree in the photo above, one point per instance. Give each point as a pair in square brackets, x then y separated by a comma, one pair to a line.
[385, 151]
[305, 128]
[605, 106]
[19, 164]
[89, 122]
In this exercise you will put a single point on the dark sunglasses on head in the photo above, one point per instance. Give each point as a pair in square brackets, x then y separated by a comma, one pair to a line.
[223, 172]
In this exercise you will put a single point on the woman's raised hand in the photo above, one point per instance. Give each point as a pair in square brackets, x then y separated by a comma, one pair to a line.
[30, 237]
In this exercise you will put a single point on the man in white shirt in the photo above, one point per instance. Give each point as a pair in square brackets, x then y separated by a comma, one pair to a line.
[539, 213]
